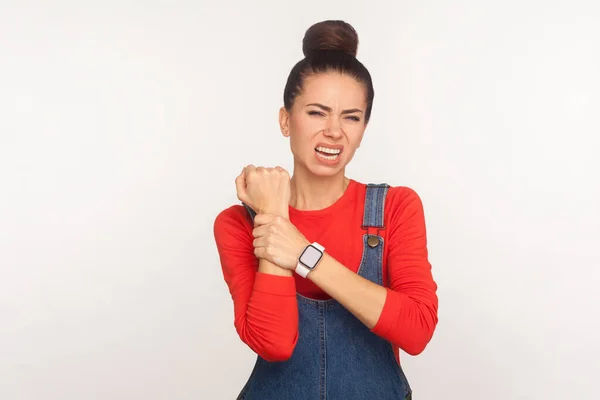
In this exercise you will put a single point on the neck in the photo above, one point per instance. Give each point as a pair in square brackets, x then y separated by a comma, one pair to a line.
[309, 192]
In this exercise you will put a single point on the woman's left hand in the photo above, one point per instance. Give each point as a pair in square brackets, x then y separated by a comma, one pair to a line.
[278, 240]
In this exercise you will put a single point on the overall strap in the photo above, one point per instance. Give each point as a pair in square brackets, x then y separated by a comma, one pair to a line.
[373, 220]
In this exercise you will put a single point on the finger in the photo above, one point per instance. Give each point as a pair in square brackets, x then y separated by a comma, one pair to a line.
[242, 175]
[260, 231]
[248, 169]
[250, 172]
[282, 170]
[260, 252]
[240, 185]
[260, 242]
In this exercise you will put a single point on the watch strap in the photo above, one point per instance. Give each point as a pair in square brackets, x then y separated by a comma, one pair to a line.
[318, 246]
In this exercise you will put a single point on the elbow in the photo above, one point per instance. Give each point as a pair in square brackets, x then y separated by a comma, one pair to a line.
[278, 352]
[416, 344]
[422, 331]
[272, 348]
[277, 355]
[415, 348]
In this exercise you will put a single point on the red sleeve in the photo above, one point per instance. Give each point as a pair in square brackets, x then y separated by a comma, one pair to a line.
[409, 315]
[265, 306]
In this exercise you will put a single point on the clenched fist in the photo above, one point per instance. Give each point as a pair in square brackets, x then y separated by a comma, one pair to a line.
[265, 190]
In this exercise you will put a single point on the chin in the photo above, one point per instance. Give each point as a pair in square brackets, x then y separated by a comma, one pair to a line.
[326, 171]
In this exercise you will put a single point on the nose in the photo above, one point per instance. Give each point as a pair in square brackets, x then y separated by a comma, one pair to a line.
[333, 129]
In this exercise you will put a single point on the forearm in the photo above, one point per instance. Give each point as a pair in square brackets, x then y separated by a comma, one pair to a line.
[265, 303]
[270, 326]
[268, 323]
[358, 295]
[264, 265]
[406, 321]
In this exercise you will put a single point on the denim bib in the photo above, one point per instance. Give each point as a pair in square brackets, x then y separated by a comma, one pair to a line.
[336, 357]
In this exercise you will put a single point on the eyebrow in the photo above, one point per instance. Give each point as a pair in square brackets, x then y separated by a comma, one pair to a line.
[328, 109]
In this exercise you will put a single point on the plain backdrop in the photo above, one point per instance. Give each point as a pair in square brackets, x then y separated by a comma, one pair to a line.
[123, 125]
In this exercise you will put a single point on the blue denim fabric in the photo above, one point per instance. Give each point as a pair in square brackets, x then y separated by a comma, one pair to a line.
[337, 357]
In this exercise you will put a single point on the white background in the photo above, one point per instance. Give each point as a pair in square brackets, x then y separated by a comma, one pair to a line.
[124, 124]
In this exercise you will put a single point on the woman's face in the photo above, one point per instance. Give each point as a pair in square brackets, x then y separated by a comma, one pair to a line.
[326, 123]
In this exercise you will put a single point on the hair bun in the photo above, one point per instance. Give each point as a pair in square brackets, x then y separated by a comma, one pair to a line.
[330, 35]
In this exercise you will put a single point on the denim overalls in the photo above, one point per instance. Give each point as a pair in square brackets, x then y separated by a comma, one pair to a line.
[336, 356]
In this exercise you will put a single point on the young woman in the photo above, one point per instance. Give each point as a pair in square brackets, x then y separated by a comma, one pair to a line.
[329, 276]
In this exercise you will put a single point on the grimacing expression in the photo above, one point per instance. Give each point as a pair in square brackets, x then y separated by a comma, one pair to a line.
[326, 123]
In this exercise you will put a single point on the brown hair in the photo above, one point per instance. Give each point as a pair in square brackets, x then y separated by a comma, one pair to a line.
[328, 46]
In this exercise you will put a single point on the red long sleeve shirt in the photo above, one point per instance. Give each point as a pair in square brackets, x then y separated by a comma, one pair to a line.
[265, 307]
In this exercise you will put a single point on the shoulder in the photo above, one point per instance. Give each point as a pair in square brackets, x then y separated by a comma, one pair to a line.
[403, 197]
[403, 206]
[232, 222]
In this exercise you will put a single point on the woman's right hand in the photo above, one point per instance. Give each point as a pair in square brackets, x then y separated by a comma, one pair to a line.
[265, 190]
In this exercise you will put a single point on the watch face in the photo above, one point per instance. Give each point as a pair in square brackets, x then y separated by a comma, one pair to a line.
[310, 257]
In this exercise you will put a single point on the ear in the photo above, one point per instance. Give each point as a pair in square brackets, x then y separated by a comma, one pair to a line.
[284, 121]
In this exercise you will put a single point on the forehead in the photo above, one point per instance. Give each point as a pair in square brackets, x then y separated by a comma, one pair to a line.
[333, 88]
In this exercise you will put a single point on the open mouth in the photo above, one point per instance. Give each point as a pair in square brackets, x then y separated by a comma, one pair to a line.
[327, 153]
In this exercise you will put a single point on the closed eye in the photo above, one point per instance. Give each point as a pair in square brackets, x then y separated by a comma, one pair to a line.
[352, 117]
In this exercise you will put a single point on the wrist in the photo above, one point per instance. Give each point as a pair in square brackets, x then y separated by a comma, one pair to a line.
[268, 267]
[281, 211]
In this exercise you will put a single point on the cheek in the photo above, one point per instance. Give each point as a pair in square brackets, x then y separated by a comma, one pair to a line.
[302, 130]
[308, 126]
[354, 133]
[300, 144]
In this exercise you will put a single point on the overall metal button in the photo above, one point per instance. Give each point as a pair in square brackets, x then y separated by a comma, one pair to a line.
[373, 241]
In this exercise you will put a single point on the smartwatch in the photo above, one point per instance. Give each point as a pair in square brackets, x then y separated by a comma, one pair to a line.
[309, 259]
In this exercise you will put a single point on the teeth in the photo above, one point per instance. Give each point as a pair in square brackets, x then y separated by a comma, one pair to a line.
[330, 158]
[329, 151]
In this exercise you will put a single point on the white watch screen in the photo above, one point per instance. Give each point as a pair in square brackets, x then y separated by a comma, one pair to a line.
[310, 257]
